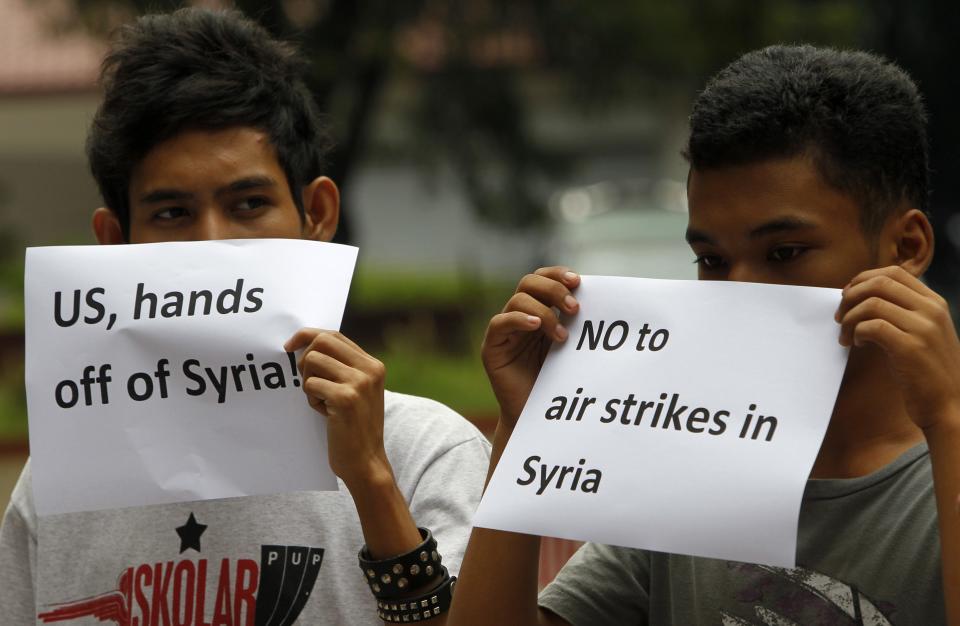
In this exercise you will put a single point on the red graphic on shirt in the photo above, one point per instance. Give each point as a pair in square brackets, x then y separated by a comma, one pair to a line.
[109, 606]
[174, 593]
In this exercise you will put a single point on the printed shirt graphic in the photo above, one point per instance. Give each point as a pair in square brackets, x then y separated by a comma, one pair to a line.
[783, 597]
[272, 593]
[193, 589]
[868, 551]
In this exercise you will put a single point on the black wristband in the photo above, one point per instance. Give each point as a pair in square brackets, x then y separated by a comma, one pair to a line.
[427, 606]
[391, 578]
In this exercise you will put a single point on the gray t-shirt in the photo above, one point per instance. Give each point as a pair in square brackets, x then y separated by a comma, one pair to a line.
[264, 560]
[868, 552]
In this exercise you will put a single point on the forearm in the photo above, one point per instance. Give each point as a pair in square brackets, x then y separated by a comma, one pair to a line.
[388, 527]
[944, 443]
[498, 577]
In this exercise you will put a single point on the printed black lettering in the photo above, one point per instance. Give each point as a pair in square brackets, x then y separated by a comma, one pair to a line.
[141, 297]
[195, 296]
[628, 404]
[528, 468]
[188, 366]
[593, 340]
[95, 304]
[719, 423]
[58, 316]
[611, 410]
[255, 302]
[545, 478]
[173, 305]
[230, 293]
[697, 416]
[555, 411]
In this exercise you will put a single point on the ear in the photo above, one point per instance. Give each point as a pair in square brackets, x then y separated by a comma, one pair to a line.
[106, 227]
[321, 209]
[911, 241]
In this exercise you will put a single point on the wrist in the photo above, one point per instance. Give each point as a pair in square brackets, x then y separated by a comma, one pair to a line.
[945, 428]
[373, 479]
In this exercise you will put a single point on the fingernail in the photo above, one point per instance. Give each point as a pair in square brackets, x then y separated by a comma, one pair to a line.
[533, 320]
[570, 276]
[562, 333]
[569, 302]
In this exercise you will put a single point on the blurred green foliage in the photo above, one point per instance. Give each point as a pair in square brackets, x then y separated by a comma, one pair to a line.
[13, 404]
[13, 407]
[423, 354]
[11, 290]
[455, 380]
[378, 289]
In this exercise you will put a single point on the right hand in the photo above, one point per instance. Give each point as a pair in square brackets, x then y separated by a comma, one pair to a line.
[517, 339]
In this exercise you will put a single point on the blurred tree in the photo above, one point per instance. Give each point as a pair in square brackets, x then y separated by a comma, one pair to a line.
[921, 37]
[466, 60]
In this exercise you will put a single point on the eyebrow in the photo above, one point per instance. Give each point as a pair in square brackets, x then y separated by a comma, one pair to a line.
[777, 226]
[782, 225]
[246, 184]
[165, 195]
[243, 184]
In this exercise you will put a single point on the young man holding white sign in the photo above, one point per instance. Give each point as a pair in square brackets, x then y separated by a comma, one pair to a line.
[808, 167]
[206, 132]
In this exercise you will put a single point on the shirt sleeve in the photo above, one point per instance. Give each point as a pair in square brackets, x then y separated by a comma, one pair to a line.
[601, 584]
[447, 496]
[18, 555]
[440, 461]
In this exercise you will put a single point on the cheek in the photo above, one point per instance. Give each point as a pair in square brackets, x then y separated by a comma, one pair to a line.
[284, 223]
[837, 271]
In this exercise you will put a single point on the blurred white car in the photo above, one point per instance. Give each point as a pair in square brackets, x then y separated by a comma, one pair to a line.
[631, 227]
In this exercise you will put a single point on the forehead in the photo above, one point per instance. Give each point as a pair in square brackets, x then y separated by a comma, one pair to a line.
[739, 198]
[206, 157]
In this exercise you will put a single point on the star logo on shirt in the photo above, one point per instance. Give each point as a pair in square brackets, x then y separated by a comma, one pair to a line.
[190, 534]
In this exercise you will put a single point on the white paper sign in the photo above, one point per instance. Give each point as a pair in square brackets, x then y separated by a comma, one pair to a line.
[679, 416]
[156, 373]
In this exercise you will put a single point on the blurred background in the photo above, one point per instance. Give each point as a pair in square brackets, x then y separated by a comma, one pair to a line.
[476, 140]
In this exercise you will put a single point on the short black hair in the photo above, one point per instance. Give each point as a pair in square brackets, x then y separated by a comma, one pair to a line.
[860, 117]
[200, 69]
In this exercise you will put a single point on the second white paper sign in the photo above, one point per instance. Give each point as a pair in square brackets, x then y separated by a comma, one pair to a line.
[679, 416]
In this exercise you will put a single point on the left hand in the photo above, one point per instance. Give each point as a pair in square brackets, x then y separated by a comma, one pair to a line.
[892, 309]
[346, 384]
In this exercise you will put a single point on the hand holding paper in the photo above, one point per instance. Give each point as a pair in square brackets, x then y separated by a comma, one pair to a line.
[894, 310]
[345, 384]
[518, 339]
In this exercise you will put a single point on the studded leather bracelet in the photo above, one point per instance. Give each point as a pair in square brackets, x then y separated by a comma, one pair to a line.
[427, 606]
[393, 577]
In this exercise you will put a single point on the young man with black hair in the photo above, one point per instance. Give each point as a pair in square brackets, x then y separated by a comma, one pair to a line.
[807, 167]
[206, 131]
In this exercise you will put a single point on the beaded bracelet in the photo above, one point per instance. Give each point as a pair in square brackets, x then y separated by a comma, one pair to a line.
[427, 606]
[388, 578]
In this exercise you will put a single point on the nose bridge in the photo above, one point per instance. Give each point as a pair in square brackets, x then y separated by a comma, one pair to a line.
[210, 224]
[743, 271]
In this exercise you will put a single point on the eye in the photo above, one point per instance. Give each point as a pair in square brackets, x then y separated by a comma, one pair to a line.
[708, 261]
[782, 254]
[252, 203]
[170, 213]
